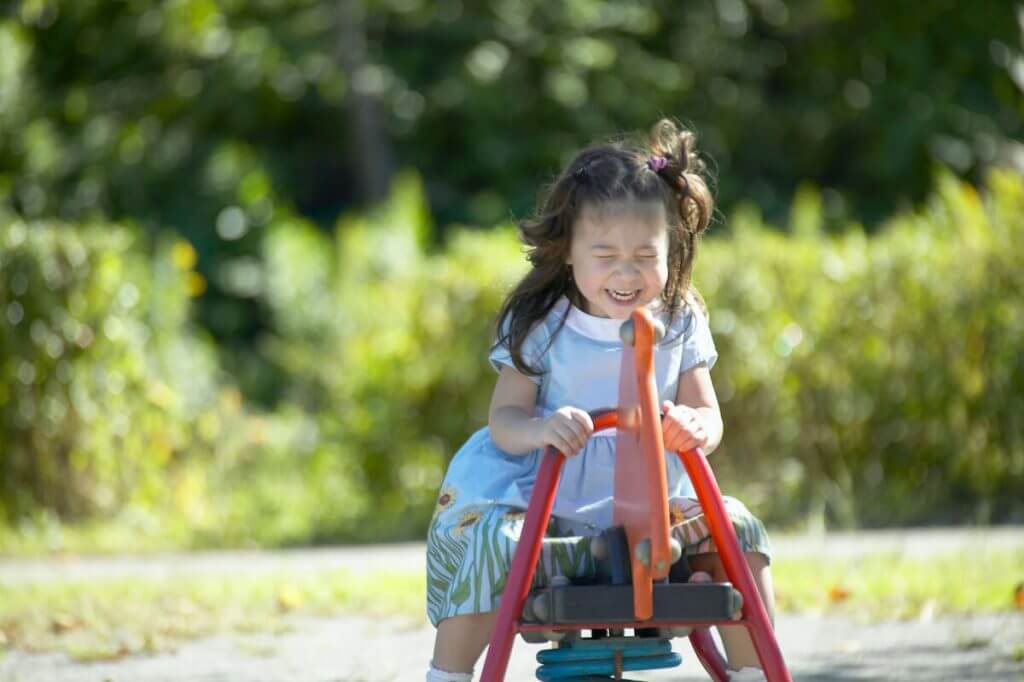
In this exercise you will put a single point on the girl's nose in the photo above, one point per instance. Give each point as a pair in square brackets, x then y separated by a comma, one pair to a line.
[628, 269]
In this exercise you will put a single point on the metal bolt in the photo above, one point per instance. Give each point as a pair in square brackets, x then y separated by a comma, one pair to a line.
[659, 331]
[675, 549]
[627, 333]
[738, 599]
[642, 552]
[539, 608]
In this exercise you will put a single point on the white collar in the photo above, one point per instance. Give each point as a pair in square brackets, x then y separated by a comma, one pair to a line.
[598, 328]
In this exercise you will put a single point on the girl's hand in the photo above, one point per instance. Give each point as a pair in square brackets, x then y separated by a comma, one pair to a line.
[682, 428]
[567, 429]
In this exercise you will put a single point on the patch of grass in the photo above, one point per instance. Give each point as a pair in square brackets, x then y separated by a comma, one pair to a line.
[107, 619]
[897, 586]
[104, 619]
[135, 531]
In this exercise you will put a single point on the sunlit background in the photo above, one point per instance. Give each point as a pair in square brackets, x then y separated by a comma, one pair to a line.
[251, 251]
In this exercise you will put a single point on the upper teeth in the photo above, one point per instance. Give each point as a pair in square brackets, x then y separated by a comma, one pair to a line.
[622, 294]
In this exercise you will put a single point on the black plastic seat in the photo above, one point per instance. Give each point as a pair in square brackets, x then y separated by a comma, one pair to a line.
[610, 604]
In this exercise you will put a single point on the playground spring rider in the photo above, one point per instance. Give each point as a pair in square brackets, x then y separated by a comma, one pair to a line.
[636, 555]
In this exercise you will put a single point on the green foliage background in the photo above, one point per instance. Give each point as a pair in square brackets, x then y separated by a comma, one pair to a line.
[864, 380]
[208, 117]
[226, 316]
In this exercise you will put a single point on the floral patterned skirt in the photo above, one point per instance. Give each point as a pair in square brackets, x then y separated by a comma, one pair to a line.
[470, 549]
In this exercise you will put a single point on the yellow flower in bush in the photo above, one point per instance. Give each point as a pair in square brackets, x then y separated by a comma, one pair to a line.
[183, 255]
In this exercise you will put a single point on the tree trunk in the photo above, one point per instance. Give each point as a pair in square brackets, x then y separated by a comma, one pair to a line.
[370, 158]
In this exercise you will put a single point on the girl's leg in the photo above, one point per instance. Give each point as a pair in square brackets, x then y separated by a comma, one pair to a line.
[739, 648]
[460, 641]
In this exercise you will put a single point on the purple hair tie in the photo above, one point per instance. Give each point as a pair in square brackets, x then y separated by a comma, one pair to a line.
[657, 163]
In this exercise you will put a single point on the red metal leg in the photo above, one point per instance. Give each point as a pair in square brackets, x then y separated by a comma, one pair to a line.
[709, 655]
[524, 563]
[755, 616]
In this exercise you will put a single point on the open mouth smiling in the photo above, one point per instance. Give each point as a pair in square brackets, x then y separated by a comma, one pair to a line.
[624, 296]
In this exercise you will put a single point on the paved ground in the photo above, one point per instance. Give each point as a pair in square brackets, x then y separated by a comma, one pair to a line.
[353, 649]
[361, 650]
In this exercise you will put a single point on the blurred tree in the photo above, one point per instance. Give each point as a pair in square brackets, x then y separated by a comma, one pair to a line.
[202, 116]
[110, 105]
[212, 116]
[371, 150]
[776, 89]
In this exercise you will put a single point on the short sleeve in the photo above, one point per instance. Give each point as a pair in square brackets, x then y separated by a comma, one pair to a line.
[698, 346]
[533, 352]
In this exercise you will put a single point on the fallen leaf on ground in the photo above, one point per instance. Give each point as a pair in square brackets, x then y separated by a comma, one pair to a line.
[64, 622]
[288, 598]
[838, 593]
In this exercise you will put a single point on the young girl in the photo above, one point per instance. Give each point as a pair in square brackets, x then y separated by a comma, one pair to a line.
[618, 230]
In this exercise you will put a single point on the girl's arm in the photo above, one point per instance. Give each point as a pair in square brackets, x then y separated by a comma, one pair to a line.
[516, 430]
[513, 426]
[695, 417]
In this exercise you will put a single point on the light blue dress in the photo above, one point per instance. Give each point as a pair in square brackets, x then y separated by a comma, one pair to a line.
[480, 507]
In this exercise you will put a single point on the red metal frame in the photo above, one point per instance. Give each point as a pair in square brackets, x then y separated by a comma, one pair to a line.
[524, 561]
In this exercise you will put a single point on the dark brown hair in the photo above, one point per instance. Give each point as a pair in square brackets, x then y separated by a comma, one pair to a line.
[668, 169]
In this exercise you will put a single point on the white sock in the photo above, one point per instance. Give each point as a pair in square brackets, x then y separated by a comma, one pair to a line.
[438, 675]
[747, 675]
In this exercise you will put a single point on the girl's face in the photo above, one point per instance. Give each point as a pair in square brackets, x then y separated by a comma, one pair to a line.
[619, 257]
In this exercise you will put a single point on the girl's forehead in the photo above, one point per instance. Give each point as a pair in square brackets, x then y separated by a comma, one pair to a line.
[642, 220]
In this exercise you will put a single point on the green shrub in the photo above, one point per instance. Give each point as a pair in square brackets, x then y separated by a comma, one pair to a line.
[874, 380]
[863, 380]
[385, 343]
[106, 394]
